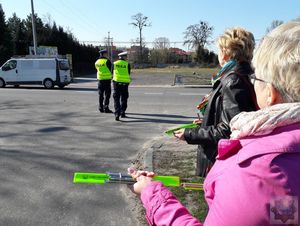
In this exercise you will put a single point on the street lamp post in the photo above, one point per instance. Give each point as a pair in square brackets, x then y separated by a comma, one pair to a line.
[33, 28]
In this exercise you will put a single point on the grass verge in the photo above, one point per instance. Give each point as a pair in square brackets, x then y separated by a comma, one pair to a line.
[176, 70]
[178, 158]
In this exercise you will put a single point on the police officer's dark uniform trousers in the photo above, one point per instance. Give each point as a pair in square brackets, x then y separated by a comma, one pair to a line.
[104, 76]
[121, 82]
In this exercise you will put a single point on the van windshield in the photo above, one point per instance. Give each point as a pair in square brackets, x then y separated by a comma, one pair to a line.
[12, 64]
[64, 65]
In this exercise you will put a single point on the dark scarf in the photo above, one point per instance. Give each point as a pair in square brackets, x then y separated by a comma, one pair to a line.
[226, 68]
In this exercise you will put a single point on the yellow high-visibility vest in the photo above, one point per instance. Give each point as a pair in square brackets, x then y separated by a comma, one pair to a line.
[103, 72]
[121, 71]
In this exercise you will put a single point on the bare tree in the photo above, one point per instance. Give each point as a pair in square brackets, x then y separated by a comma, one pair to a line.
[197, 36]
[134, 51]
[47, 20]
[160, 53]
[274, 24]
[140, 21]
[161, 43]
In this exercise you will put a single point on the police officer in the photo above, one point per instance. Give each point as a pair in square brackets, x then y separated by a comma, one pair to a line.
[121, 80]
[104, 76]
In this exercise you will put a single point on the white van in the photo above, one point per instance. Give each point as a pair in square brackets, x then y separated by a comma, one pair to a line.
[44, 71]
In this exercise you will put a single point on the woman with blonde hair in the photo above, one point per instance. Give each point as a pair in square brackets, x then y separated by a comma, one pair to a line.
[231, 94]
[255, 180]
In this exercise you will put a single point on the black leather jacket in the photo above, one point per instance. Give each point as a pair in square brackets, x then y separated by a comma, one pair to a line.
[232, 94]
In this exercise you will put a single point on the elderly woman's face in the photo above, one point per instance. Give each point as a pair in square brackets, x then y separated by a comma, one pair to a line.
[261, 94]
[261, 91]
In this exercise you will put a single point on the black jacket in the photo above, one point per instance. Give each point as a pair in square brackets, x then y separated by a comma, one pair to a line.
[232, 94]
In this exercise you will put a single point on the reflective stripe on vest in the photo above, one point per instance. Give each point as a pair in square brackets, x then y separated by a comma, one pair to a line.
[103, 72]
[121, 71]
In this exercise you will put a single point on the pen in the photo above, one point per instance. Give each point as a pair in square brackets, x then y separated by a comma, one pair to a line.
[198, 116]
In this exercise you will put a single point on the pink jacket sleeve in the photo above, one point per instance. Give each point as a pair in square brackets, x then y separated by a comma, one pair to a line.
[162, 208]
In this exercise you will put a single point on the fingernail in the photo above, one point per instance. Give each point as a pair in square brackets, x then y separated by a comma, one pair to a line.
[131, 170]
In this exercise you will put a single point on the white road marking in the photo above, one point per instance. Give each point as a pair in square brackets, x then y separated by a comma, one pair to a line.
[86, 91]
[190, 94]
[153, 93]
[181, 94]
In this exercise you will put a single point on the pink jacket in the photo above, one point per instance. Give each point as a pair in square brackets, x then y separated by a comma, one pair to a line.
[243, 185]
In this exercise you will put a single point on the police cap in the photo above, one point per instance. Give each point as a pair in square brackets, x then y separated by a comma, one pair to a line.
[103, 51]
[122, 54]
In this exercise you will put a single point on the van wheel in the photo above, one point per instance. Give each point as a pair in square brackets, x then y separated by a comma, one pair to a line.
[48, 83]
[2, 83]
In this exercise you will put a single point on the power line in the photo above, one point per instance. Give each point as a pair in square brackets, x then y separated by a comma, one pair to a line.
[78, 12]
[127, 42]
[119, 44]
[66, 14]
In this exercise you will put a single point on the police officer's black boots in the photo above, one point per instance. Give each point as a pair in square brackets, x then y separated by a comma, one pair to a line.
[117, 117]
[107, 110]
[101, 109]
[123, 115]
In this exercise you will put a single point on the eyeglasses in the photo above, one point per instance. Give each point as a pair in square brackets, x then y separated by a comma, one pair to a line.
[253, 78]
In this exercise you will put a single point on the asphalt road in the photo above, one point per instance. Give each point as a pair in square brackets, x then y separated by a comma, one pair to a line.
[47, 135]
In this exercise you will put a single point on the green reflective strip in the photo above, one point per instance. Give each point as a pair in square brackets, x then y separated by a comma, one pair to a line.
[169, 181]
[185, 126]
[192, 186]
[90, 178]
[102, 178]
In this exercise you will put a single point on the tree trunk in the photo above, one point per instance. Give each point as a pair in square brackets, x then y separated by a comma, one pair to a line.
[141, 47]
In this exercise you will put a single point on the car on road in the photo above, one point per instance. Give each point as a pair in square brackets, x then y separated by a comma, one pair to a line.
[46, 71]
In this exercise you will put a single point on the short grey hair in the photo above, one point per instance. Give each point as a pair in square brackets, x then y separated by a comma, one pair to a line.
[277, 60]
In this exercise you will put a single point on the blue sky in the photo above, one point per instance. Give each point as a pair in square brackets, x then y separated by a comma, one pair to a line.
[91, 20]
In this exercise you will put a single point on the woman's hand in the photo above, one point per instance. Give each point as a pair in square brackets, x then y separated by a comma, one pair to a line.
[179, 134]
[143, 179]
[197, 121]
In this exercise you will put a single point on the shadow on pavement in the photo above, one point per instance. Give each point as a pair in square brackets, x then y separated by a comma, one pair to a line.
[81, 89]
[157, 118]
[84, 80]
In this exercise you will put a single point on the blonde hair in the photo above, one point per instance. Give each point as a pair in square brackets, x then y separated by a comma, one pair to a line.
[238, 44]
[277, 60]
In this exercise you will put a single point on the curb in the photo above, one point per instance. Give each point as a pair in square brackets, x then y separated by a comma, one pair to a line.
[148, 151]
[166, 154]
[148, 159]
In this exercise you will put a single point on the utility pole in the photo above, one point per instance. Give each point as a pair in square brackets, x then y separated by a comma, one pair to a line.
[109, 47]
[111, 50]
[33, 28]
